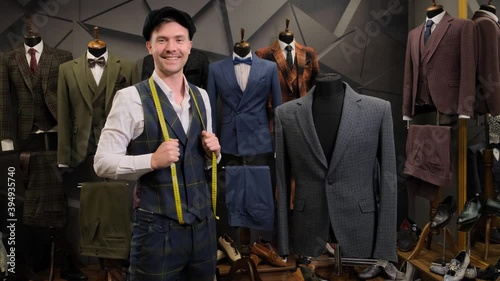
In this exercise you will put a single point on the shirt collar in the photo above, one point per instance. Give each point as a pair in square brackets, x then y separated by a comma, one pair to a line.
[283, 44]
[436, 19]
[166, 89]
[90, 56]
[490, 14]
[249, 55]
[38, 47]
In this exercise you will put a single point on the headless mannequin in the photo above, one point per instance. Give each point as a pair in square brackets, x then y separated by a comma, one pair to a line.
[97, 47]
[286, 36]
[489, 8]
[32, 40]
[97, 52]
[242, 48]
[434, 11]
[328, 101]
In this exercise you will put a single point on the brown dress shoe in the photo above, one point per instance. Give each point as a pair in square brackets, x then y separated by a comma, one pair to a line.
[256, 259]
[267, 253]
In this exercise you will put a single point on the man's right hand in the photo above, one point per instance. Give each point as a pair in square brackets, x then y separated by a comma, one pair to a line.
[167, 153]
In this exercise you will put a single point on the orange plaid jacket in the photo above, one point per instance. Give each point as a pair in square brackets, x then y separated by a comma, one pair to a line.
[306, 68]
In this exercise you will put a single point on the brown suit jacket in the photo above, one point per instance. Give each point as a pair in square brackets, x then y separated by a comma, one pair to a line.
[307, 68]
[488, 63]
[75, 104]
[449, 58]
[16, 89]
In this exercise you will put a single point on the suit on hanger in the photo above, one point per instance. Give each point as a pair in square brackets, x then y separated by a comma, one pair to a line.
[488, 63]
[340, 191]
[77, 93]
[444, 68]
[19, 87]
[244, 130]
[294, 82]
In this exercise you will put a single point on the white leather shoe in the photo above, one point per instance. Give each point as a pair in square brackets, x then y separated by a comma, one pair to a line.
[227, 246]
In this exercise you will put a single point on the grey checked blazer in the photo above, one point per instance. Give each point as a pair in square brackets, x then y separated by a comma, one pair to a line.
[341, 191]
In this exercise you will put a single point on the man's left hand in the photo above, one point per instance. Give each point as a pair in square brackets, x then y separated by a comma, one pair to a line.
[210, 143]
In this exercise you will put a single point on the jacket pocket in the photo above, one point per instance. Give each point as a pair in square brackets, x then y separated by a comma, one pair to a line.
[367, 206]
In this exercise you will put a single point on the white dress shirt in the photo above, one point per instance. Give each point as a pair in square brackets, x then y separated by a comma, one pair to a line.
[436, 19]
[242, 71]
[38, 48]
[283, 46]
[97, 70]
[125, 122]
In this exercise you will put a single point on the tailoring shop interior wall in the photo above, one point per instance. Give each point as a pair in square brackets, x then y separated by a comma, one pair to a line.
[364, 41]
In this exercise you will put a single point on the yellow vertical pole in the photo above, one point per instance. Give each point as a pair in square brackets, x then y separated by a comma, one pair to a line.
[462, 150]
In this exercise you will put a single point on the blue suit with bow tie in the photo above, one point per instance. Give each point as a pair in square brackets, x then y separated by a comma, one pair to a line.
[244, 128]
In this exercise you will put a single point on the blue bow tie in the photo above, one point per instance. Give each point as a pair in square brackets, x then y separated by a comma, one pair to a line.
[238, 60]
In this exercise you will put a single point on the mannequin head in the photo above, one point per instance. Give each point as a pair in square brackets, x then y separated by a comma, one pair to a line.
[434, 10]
[329, 85]
[242, 48]
[489, 8]
[286, 36]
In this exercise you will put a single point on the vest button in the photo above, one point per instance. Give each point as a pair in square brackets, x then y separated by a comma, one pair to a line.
[330, 182]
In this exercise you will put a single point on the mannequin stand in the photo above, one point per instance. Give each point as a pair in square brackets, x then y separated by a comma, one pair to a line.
[52, 251]
[421, 241]
[245, 264]
[487, 236]
[442, 261]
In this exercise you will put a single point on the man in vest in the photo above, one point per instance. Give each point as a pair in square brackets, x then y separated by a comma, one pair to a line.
[174, 225]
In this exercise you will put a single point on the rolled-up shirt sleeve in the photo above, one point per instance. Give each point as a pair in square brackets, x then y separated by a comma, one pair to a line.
[124, 123]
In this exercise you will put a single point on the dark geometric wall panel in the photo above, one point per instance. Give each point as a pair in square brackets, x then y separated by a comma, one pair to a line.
[250, 15]
[191, 7]
[115, 19]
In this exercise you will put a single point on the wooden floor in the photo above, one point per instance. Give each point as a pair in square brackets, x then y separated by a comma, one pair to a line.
[324, 268]
[266, 272]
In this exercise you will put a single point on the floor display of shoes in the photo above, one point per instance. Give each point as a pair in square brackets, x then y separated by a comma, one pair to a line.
[227, 246]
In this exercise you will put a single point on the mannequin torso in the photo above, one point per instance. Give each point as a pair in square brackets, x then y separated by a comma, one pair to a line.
[327, 106]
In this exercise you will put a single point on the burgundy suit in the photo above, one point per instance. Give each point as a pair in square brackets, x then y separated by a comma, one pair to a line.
[488, 63]
[444, 69]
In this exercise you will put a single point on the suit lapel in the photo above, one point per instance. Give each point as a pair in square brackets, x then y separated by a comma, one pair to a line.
[113, 69]
[253, 77]
[79, 68]
[436, 36]
[283, 67]
[44, 66]
[300, 56]
[348, 121]
[24, 68]
[305, 120]
[171, 116]
[230, 77]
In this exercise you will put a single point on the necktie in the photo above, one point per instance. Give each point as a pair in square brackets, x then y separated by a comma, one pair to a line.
[33, 64]
[289, 59]
[238, 60]
[427, 33]
[100, 62]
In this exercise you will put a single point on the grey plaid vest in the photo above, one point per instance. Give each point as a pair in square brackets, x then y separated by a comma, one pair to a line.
[156, 190]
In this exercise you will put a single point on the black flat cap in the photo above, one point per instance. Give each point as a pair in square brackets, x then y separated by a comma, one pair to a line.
[157, 16]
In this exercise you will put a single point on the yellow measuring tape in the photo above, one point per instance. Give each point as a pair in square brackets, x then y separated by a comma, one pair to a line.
[173, 169]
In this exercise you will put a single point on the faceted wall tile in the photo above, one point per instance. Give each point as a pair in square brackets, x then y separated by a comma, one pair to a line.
[127, 24]
[92, 8]
[269, 31]
[250, 15]
[10, 12]
[192, 7]
[210, 31]
[327, 13]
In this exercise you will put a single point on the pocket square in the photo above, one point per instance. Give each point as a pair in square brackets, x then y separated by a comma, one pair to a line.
[121, 80]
